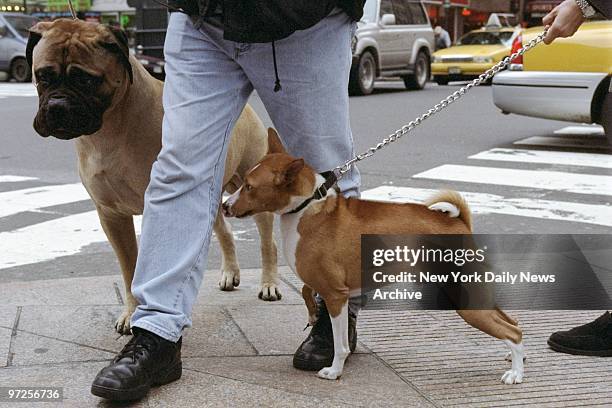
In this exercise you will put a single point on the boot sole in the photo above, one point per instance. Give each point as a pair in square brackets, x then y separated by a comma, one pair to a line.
[578, 352]
[113, 394]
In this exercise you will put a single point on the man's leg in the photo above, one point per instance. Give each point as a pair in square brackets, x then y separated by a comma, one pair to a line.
[204, 93]
[311, 114]
[311, 111]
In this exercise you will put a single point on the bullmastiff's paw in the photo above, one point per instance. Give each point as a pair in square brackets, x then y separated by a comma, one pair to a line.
[329, 373]
[122, 325]
[229, 280]
[512, 377]
[270, 292]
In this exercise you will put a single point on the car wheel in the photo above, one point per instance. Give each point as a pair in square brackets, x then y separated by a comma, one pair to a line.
[421, 72]
[20, 70]
[363, 74]
[440, 80]
[606, 116]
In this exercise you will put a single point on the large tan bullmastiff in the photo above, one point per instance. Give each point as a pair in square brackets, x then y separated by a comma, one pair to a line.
[92, 90]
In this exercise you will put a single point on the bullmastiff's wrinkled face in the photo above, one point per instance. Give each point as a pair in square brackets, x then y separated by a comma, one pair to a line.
[81, 69]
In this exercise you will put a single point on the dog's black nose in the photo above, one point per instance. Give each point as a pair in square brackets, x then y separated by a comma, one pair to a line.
[58, 108]
[226, 209]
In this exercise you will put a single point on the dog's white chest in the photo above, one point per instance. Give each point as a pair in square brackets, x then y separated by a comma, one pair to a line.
[290, 237]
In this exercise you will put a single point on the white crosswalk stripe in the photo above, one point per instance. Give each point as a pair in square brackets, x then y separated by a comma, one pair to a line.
[547, 157]
[52, 239]
[15, 179]
[483, 203]
[32, 199]
[539, 179]
[10, 90]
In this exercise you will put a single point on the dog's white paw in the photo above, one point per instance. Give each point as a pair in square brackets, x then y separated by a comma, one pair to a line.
[512, 377]
[329, 373]
[269, 292]
[122, 325]
[229, 280]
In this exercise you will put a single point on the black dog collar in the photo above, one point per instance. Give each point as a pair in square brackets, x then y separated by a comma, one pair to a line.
[320, 192]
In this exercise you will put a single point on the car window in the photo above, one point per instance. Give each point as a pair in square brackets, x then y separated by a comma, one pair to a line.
[386, 7]
[402, 12]
[417, 12]
[4, 28]
[406, 12]
[486, 38]
[369, 11]
[21, 23]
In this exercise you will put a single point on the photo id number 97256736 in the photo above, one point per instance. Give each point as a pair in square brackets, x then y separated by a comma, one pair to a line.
[31, 394]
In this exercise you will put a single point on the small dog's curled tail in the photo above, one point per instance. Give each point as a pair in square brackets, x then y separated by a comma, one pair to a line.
[452, 203]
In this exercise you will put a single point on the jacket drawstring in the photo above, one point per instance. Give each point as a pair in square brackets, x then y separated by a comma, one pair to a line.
[277, 84]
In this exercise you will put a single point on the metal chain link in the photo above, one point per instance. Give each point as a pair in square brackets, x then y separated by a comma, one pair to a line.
[344, 168]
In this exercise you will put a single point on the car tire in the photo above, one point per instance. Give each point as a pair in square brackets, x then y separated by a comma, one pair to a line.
[20, 70]
[606, 116]
[441, 80]
[421, 74]
[363, 75]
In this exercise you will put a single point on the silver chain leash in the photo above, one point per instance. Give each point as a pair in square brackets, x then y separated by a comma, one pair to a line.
[344, 168]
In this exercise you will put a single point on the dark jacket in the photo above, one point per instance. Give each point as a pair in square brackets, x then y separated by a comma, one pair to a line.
[255, 21]
[602, 6]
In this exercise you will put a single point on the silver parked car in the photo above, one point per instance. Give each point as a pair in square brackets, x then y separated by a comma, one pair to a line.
[13, 39]
[393, 39]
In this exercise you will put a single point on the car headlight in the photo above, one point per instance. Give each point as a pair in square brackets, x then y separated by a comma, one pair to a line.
[483, 60]
[436, 60]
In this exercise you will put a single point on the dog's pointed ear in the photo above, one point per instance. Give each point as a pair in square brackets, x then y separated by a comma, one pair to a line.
[35, 34]
[274, 143]
[291, 171]
[118, 45]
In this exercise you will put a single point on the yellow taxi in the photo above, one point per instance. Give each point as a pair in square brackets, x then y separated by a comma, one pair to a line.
[473, 54]
[567, 80]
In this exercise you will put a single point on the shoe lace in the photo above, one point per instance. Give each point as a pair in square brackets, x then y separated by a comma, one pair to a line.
[136, 347]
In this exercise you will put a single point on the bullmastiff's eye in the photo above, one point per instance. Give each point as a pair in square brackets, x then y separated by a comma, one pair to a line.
[46, 77]
[84, 80]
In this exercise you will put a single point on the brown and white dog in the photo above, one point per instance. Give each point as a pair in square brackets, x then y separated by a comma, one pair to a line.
[280, 183]
[92, 90]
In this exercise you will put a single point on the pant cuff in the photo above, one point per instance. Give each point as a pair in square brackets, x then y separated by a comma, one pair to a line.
[161, 332]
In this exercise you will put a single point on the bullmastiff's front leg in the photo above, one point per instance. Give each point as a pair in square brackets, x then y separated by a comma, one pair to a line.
[230, 271]
[269, 274]
[120, 232]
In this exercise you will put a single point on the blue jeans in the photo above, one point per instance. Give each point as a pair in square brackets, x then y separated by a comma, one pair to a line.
[208, 82]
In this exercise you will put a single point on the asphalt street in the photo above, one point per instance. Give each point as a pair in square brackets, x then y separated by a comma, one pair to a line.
[520, 175]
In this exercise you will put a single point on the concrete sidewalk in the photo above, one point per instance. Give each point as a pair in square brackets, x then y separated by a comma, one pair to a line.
[58, 333]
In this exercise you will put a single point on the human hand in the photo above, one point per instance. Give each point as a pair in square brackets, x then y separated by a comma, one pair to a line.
[563, 20]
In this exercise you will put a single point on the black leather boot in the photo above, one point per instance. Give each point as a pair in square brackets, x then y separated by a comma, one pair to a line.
[146, 360]
[317, 351]
[591, 339]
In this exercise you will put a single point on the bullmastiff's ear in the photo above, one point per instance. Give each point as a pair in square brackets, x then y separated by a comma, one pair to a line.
[274, 142]
[119, 47]
[34, 37]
